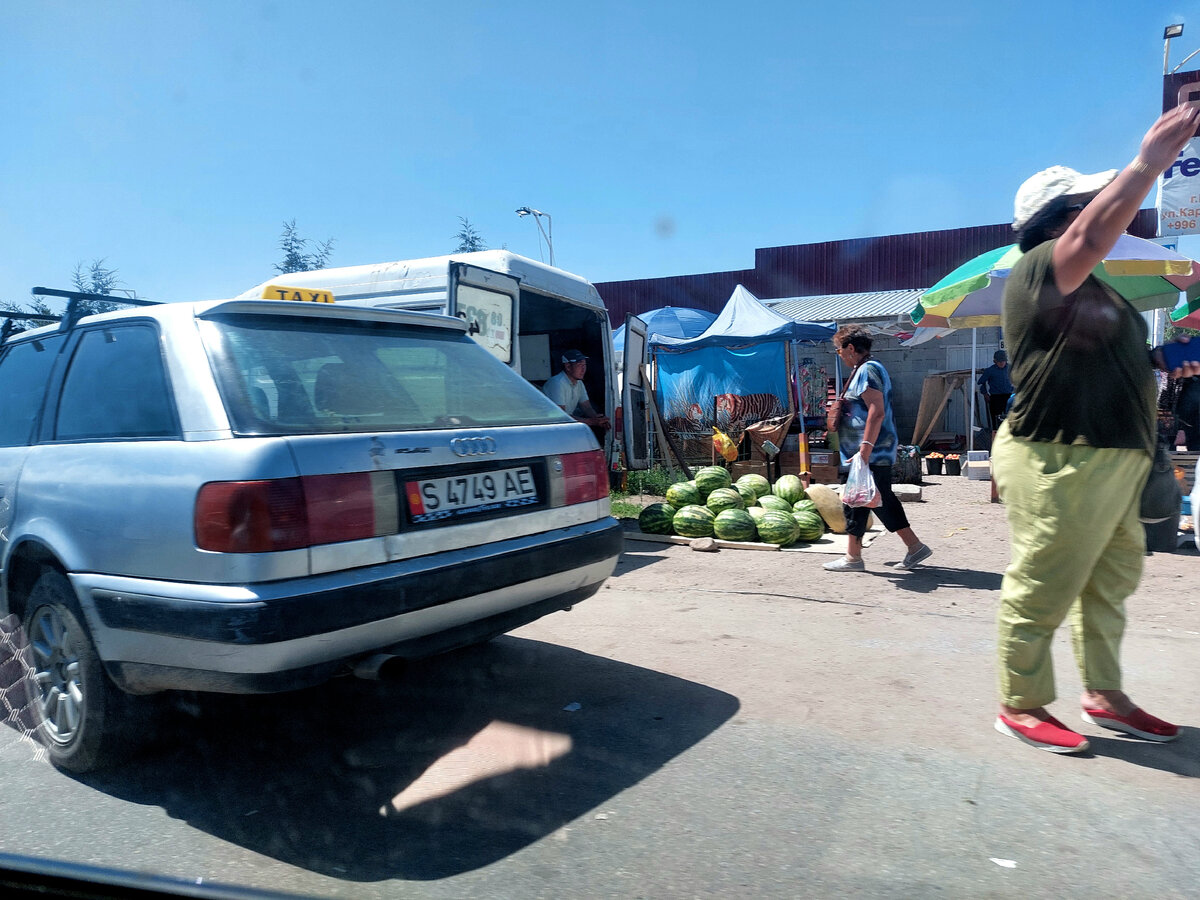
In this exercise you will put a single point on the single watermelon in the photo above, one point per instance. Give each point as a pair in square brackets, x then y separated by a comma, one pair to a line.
[790, 488]
[710, 478]
[724, 498]
[694, 521]
[735, 525]
[777, 528]
[656, 519]
[811, 525]
[770, 501]
[757, 483]
[747, 492]
[805, 504]
[682, 493]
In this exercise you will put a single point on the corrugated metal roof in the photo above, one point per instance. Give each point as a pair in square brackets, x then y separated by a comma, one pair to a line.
[842, 307]
[884, 264]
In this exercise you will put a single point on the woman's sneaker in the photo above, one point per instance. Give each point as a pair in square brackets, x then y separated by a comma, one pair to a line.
[914, 558]
[845, 564]
[1138, 723]
[1050, 735]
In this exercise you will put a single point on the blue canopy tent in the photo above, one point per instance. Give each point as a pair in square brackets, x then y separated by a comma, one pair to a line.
[734, 369]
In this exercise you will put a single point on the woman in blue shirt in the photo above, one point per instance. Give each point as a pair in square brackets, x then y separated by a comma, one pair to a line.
[866, 426]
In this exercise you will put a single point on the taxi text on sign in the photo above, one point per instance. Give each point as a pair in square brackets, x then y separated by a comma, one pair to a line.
[1179, 193]
[283, 292]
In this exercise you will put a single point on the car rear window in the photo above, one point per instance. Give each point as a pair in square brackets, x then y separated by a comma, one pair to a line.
[315, 375]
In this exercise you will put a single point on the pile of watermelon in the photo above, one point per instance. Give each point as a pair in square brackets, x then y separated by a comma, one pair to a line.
[712, 505]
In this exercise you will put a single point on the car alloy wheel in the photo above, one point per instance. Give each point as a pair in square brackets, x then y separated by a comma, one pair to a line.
[57, 675]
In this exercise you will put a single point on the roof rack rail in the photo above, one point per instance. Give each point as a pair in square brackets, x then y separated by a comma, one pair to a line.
[9, 328]
[76, 298]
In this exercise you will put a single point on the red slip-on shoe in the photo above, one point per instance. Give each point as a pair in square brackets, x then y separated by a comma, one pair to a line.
[1139, 723]
[1050, 735]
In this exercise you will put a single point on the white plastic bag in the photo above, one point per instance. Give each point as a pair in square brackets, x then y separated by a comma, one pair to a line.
[860, 486]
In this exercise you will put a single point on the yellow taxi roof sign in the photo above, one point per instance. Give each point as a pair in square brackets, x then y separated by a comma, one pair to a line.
[307, 295]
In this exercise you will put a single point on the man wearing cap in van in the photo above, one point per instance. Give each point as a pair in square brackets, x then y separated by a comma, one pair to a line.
[997, 387]
[567, 390]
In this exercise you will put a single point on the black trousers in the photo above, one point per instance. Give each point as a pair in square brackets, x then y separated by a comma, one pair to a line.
[890, 510]
[997, 404]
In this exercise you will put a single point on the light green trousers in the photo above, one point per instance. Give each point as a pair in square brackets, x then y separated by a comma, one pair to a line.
[1077, 547]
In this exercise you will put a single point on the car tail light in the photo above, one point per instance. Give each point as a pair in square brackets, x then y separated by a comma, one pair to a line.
[350, 507]
[251, 516]
[289, 513]
[584, 477]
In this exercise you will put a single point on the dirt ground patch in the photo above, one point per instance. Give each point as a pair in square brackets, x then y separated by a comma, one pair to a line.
[969, 537]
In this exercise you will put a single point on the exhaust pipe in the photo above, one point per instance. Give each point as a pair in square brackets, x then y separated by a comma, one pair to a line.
[379, 667]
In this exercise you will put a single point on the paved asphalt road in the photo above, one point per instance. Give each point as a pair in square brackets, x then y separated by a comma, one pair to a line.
[709, 725]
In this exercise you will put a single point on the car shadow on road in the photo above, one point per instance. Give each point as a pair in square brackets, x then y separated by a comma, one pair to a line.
[462, 761]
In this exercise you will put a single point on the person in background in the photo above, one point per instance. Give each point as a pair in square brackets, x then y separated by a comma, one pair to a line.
[1071, 458]
[1187, 412]
[567, 390]
[997, 387]
[866, 425]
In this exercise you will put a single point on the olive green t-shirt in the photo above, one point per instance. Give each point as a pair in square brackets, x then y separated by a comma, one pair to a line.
[1079, 362]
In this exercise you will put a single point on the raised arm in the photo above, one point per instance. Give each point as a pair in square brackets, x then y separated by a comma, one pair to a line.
[1092, 234]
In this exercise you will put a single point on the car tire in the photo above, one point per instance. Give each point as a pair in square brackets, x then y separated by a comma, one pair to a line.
[81, 715]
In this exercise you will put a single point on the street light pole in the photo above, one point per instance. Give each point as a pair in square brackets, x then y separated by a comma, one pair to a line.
[1171, 31]
[547, 233]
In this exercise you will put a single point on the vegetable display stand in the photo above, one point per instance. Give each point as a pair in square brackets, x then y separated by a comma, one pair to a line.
[933, 466]
[953, 466]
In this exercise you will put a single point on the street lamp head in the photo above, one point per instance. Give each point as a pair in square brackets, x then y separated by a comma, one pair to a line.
[1172, 31]
[524, 211]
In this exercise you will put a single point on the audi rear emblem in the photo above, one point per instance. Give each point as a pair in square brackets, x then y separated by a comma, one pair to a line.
[474, 446]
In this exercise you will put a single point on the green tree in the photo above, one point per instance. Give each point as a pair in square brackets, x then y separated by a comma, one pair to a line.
[469, 240]
[93, 278]
[296, 257]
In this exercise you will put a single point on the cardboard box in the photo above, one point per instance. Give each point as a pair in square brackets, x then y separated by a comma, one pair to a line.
[978, 471]
[824, 474]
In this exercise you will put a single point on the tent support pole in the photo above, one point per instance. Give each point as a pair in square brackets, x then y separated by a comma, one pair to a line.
[971, 422]
[662, 428]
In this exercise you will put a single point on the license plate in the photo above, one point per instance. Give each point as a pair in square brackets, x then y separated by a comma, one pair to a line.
[435, 499]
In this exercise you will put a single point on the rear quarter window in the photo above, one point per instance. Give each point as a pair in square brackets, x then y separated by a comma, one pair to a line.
[282, 375]
[116, 387]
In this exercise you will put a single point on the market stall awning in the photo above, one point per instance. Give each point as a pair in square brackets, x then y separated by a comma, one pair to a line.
[860, 306]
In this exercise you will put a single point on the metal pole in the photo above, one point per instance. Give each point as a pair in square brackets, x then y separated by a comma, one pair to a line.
[971, 424]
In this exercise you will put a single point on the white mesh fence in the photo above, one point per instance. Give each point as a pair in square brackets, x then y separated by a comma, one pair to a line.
[17, 693]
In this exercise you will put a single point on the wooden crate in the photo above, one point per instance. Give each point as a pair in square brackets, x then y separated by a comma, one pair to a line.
[748, 467]
[824, 474]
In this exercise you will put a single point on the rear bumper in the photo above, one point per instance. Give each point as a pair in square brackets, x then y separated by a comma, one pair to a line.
[167, 635]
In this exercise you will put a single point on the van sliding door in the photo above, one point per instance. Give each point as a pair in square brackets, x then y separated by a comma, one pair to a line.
[487, 301]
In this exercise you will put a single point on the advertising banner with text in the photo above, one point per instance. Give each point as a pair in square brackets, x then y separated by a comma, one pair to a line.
[1179, 194]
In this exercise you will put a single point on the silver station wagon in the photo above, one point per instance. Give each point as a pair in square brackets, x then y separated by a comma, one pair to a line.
[253, 496]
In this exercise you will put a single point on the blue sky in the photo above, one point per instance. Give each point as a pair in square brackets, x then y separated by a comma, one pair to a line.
[172, 139]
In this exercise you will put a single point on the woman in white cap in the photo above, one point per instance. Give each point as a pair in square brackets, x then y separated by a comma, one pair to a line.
[1072, 455]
